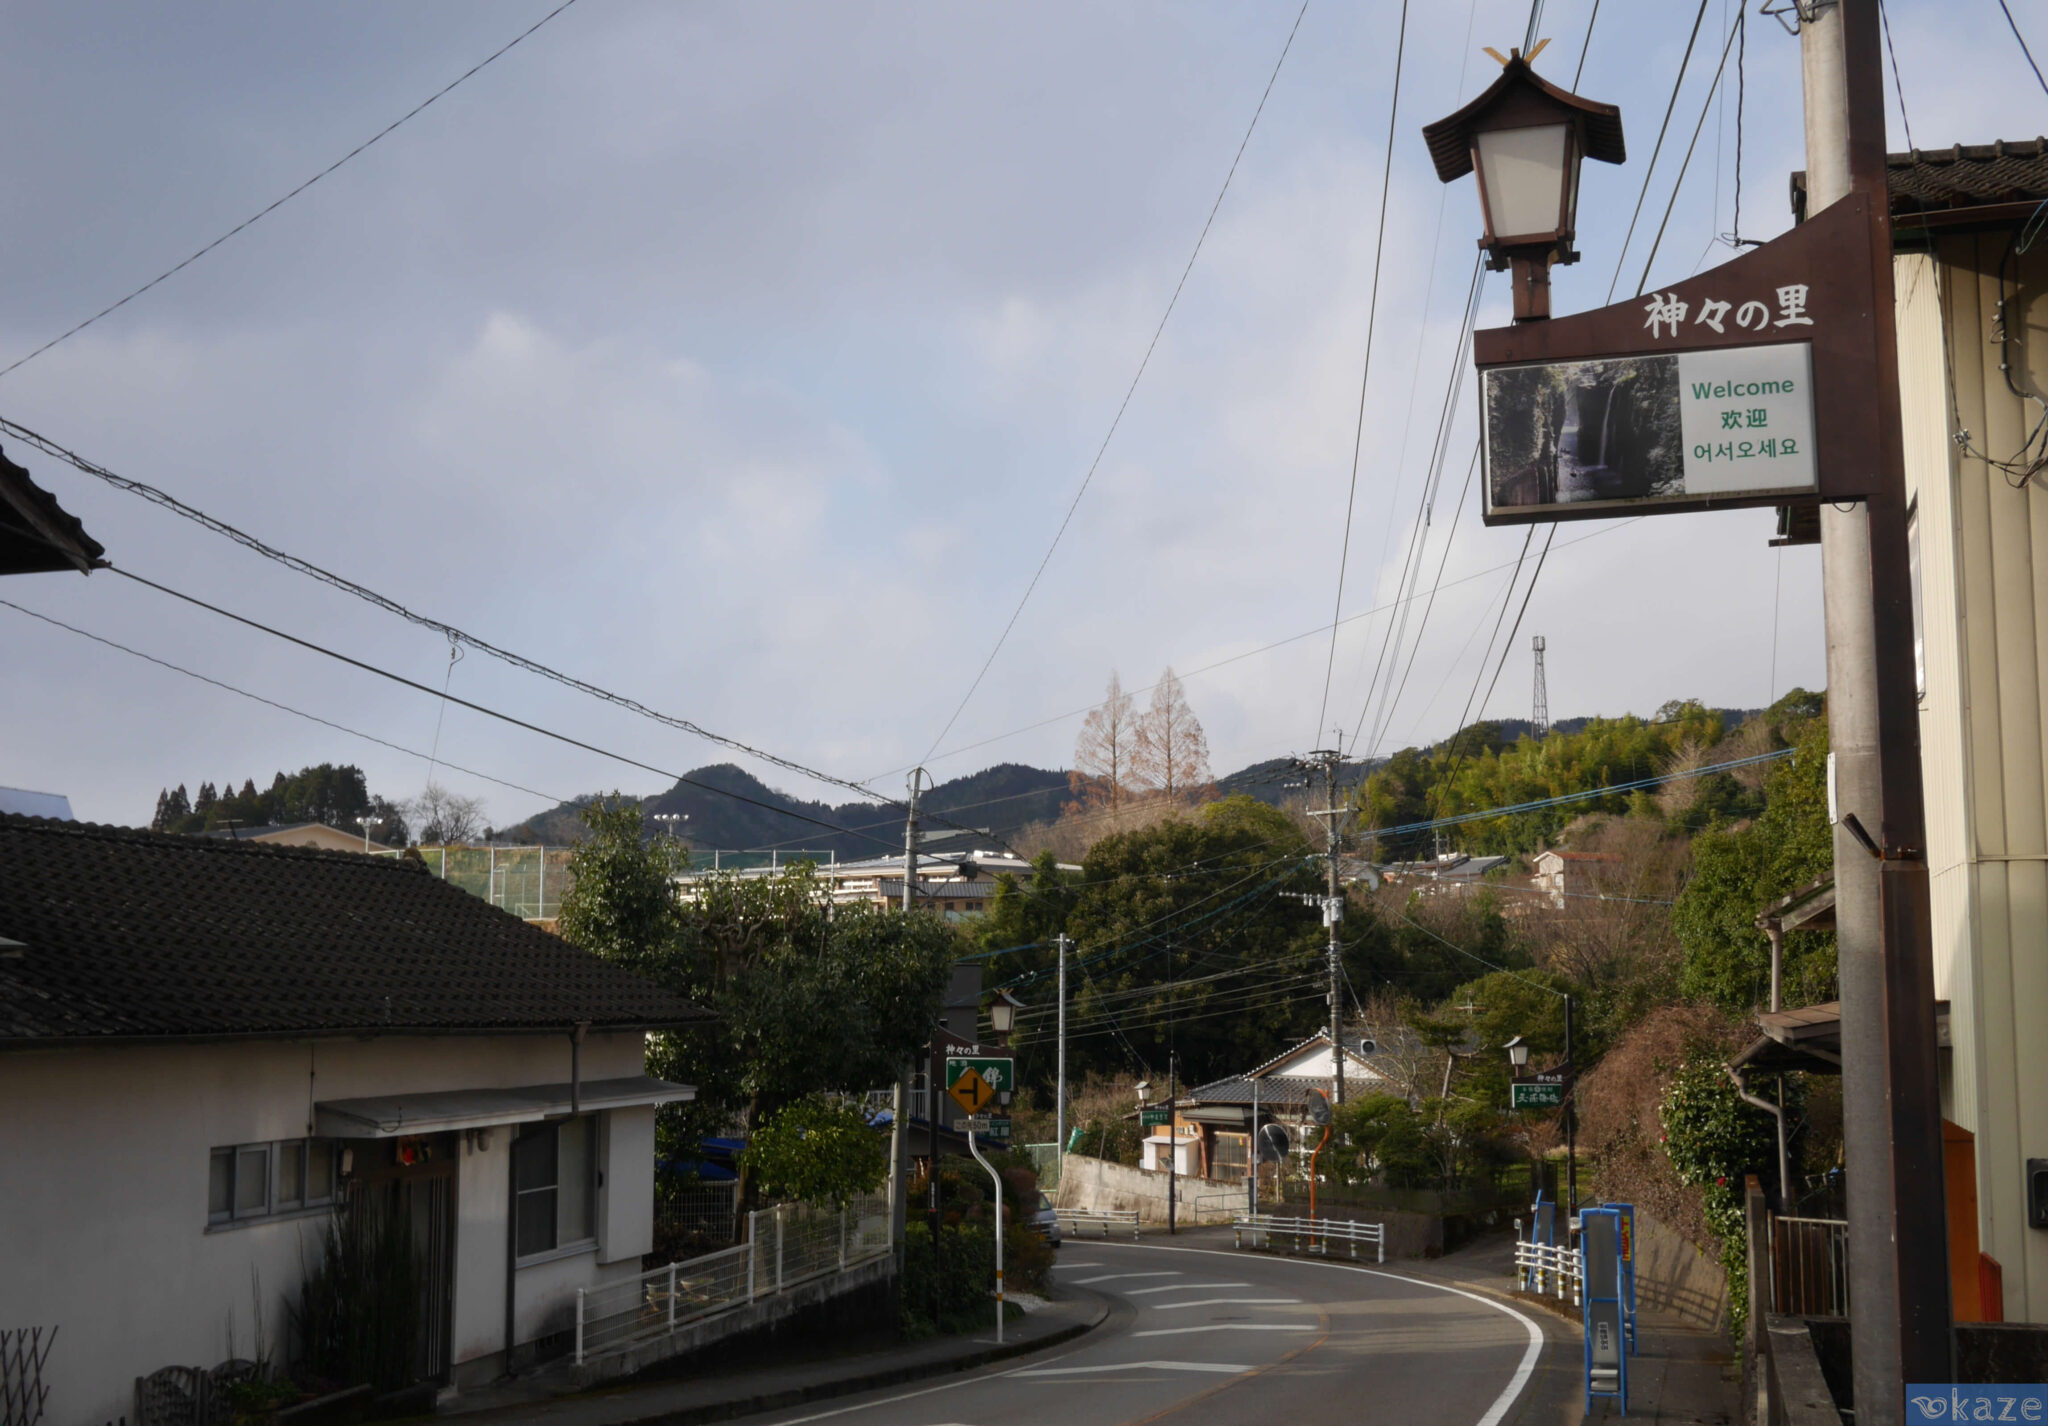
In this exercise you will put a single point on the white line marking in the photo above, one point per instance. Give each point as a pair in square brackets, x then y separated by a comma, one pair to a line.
[1223, 1367]
[1062, 1264]
[1226, 1302]
[1112, 1277]
[1526, 1369]
[1183, 1287]
[1229, 1327]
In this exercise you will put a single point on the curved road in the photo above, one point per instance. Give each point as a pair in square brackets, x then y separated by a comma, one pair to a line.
[1213, 1335]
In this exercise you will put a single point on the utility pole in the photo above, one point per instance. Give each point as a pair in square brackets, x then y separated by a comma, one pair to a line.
[1059, 1110]
[1539, 703]
[1172, 1139]
[1330, 761]
[1891, 1117]
[910, 844]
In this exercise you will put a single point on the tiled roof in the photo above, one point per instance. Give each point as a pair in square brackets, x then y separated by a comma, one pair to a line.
[1964, 176]
[140, 934]
[37, 535]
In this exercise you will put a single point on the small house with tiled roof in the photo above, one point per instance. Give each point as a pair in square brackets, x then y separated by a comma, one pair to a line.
[1215, 1122]
[208, 1046]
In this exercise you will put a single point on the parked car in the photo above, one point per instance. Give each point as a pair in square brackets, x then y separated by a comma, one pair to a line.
[1047, 1221]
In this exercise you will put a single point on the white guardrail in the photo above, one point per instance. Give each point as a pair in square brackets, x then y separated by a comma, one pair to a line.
[1073, 1220]
[786, 1245]
[1549, 1270]
[1312, 1235]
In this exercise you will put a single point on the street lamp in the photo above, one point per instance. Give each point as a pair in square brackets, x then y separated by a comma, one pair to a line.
[366, 823]
[1002, 1016]
[1525, 138]
[1518, 1052]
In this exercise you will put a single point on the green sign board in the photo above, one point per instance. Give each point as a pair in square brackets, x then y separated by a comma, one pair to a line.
[975, 1081]
[999, 1128]
[1534, 1094]
[1155, 1118]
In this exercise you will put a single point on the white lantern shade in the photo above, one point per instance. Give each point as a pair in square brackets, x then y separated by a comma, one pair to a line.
[1525, 179]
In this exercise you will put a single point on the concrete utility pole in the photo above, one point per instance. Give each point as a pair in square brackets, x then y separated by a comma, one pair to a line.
[899, 1133]
[1330, 761]
[1891, 1117]
[1059, 1110]
[910, 844]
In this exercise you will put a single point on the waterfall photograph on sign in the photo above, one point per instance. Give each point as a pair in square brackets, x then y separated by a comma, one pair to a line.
[1575, 438]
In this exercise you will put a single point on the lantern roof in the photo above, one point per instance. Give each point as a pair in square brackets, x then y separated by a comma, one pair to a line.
[1518, 98]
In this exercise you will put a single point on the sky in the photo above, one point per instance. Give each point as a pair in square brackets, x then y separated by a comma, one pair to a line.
[745, 360]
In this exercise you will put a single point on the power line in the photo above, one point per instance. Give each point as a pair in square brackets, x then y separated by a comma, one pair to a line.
[1679, 182]
[1129, 392]
[1669, 108]
[392, 606]
[278, 203]
[271, 702]
[2015, 24]
[1884, 15]
[433, 692]
[1365, 375]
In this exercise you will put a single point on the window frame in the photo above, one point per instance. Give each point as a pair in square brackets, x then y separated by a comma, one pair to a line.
[559, 1246]
[272, 1207]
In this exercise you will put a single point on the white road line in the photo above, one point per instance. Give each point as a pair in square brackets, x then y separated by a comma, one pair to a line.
[1059, 1264]
[1226, 1302]
[1183, 1287]
[1229, 1327]
[1223, 1367]
[1526, 1369]
[1113, 1277]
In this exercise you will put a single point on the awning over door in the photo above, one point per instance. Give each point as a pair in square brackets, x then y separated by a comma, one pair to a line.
[437, 1111]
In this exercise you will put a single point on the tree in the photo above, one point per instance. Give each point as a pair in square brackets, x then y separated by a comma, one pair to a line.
[1105, 771]
[816, 1151]
[1172, 752]
[446, 816]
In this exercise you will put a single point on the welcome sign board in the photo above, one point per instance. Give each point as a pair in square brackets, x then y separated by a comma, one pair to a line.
[1573, 438]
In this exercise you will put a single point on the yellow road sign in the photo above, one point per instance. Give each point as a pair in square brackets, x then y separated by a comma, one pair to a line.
[971, 1091]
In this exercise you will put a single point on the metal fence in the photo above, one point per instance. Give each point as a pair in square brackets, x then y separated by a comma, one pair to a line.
[695, 1212]
[1809, 1266]
[1310, 1235]
[526, 881]
[786, 1245]
[1549, 1270]
[1075, 1221]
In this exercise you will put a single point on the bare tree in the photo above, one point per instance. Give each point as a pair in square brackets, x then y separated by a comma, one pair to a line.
[1172, 751]
[443, 816]
[1106, 774]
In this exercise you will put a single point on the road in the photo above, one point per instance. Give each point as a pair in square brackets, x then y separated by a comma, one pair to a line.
[1211, 1335]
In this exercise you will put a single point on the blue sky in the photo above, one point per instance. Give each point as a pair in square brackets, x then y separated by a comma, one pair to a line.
[744, 359]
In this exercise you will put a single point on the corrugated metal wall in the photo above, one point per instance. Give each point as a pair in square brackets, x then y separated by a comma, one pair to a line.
[1982, 539]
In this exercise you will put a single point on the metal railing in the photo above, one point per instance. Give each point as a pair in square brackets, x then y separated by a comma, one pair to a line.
[707, 1211]
[786, 1245]
[1109, 1220]
[1809, 1266]
[1313, 1235]
[1218, 1207]
[1549, 1270]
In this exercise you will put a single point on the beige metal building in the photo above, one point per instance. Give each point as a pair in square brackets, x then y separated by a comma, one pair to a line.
[1973, 351]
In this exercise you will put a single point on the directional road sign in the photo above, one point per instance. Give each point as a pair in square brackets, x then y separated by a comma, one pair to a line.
[1155, 1118]
[973, 1124]
[975, 1082]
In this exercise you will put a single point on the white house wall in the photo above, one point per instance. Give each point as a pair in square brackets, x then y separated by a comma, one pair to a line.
[104, 1172]
[1984, 581]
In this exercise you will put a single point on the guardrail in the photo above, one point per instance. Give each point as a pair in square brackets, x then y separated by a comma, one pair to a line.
[1107, 1219]
[1546, 1269]
[786, 1245]
[1809, 1262]
[1311, 1234]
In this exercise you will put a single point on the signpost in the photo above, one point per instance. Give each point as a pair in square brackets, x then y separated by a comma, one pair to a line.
[1535, 1094]
[973, 1126]
[1155, 1118]
[975, 1081]
[1604, 1306]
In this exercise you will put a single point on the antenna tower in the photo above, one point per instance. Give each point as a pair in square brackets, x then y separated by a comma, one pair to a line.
[1539, 707]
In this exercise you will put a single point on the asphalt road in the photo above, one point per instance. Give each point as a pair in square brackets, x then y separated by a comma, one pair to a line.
[1212, 1335]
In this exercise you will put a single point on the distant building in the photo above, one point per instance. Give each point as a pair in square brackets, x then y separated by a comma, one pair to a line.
[23, 803]
[958, 885]
[1214, 1122]
[301, 834]
[1563, 874]
[1453, 871]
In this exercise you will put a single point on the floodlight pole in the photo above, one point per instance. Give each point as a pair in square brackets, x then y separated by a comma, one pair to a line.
[1891, 1117]
[1060, 1074]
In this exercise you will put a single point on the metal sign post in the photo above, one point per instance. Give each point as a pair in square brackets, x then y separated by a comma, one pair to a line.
[997, 1180]
[1626, 1243]
[1603, 1310]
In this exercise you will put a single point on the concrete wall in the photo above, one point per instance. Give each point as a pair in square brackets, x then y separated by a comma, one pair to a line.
[103, 1178]
[1674, 1274]
[1098, 1185]
[1984, 718]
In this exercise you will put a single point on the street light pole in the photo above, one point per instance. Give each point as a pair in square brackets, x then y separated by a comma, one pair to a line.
[1060, 1081]
[1891, 1118]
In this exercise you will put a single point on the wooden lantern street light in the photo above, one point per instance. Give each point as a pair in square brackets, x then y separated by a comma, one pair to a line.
[1525, 138]
[1002, 1016]
[1518, 1052]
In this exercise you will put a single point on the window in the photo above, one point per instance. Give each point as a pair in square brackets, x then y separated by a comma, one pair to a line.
[554, 1175]
[245, 1181]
